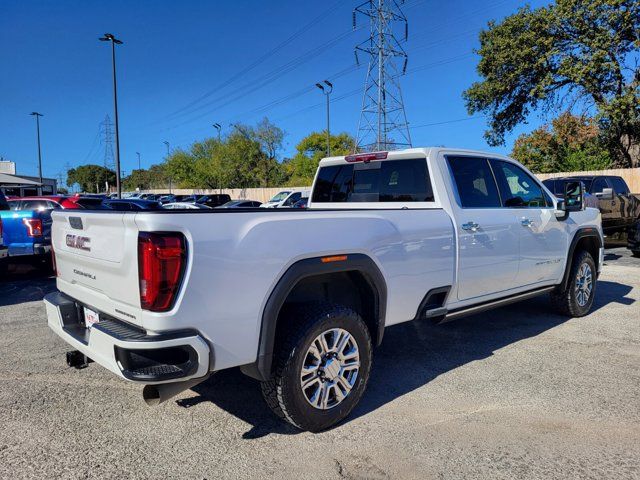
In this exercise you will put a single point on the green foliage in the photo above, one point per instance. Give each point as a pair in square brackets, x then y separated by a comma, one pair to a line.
[569, 144]
[91, 178]
[571, 53]
[246, 158]
[145, 179]
[301, 169]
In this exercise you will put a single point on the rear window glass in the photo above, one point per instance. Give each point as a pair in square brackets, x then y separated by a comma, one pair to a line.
[474, 180]
[386, 181]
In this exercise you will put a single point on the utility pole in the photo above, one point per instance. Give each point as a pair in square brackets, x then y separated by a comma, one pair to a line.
[38, 115]
[108, 37]
[168, 151]
[327, 88]
[383, 122]
[218, 127]
[138, 154]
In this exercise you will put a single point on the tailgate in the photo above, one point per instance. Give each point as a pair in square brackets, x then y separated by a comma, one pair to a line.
[96, 260]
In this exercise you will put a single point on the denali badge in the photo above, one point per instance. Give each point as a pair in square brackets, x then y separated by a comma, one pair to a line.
[75, 222]
[81, 243]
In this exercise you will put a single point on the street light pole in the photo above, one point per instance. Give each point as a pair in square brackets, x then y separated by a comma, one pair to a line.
[218, 127]
[108, 37]
[168, 149]
[38, 115]
[327, 88]
[138, 153]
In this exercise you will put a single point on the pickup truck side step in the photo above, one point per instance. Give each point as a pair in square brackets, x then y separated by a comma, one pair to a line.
[432, 305]
[463, 312]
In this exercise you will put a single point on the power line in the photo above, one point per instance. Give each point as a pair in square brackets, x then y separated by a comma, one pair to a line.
[262, 81]
[447, 122]
[260, 59]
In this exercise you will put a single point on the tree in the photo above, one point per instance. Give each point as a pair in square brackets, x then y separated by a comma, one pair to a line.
[91, 178]
[570, 143]
[145, 179]
[245, 158]
[301, 169]
[575, 54]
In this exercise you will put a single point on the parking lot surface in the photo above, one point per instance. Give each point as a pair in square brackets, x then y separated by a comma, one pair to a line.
[518, 392]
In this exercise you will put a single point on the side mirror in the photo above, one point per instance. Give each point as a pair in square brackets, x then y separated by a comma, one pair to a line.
[606, 194]
[573, 197]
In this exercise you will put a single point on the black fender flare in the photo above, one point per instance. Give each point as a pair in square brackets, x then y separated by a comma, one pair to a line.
[579, 235]
[261, 368]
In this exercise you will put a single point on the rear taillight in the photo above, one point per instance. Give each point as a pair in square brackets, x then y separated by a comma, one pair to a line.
[161, 262]
[34, 226]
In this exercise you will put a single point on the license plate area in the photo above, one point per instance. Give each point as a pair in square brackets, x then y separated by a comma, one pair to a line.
[91, 317]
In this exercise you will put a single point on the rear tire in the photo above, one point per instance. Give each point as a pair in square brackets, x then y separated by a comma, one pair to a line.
[316, 382]
[576, 299]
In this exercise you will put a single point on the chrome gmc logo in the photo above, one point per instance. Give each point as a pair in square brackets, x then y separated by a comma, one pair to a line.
[81, 243]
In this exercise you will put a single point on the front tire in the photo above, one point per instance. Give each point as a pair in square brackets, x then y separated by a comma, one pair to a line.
[576, 299]
[635, 253]
[322, 367]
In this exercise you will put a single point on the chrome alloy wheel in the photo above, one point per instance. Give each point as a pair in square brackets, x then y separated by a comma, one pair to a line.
[330, 368]
[584, 284]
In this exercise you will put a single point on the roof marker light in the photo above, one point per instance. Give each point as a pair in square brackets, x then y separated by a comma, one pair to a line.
[335, 258]
[366, 157]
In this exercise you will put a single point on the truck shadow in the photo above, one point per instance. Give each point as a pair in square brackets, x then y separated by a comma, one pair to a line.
[412, 354]
[25, 283]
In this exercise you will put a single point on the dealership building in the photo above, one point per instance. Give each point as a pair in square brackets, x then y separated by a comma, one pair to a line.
[24, 185]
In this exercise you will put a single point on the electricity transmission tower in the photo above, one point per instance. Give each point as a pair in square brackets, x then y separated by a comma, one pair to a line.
[106, 132]
[383, 121]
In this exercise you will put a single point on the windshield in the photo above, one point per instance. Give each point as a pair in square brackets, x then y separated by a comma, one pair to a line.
[279, 197]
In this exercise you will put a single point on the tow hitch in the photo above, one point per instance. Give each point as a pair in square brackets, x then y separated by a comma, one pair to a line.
[77, 359]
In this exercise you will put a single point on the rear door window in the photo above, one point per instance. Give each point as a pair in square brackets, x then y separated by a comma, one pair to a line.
[619, 185]
[385, 181]
[517, 188]
[474, 181]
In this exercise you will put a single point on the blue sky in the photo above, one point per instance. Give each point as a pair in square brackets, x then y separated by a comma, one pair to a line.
[178, 54]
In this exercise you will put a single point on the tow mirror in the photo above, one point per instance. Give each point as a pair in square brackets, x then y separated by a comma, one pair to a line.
[606, 194]
[573, 197]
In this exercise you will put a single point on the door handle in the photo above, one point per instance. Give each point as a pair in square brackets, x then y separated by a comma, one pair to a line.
[470, 226]
[526, 222]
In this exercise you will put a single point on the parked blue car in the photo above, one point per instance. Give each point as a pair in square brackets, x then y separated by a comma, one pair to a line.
[3, 248]
[27, 233]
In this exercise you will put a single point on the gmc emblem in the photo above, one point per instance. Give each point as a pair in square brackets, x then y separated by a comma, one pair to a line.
[81, 243]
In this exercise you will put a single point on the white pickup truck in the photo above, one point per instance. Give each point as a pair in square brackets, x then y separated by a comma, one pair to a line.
[299, 298]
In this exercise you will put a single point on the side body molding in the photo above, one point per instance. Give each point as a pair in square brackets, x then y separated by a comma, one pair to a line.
[261, 368]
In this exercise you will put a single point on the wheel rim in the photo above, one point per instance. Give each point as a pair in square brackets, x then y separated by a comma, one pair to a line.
[584, 284]
[330, 368]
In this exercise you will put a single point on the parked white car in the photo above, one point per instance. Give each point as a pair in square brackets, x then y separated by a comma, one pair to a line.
[286, 198]
[185, 206]
[428, 234]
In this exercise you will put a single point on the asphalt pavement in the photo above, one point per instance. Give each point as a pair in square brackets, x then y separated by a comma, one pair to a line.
[515, 393]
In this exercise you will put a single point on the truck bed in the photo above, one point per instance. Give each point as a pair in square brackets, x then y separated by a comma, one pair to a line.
[240, 256]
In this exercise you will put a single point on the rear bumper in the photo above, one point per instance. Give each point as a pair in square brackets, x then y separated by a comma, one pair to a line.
[128, 351]
[20, 249]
